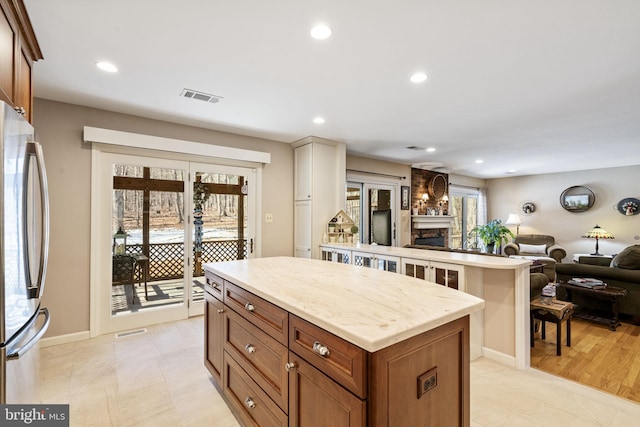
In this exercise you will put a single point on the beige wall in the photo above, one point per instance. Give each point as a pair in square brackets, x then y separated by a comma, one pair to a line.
[59, 128]
[609, 185]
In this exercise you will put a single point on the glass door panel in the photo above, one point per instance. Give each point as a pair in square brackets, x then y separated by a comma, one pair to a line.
[221, 227]
[148, 246]
[464, 209]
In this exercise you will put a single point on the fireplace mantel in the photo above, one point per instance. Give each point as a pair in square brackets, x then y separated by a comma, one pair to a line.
[422, 222]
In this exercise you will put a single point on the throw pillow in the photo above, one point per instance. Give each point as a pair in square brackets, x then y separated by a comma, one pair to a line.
[628, 259]
[533, 249]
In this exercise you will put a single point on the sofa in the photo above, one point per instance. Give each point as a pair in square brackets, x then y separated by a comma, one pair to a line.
[537, 247]
[623, 271]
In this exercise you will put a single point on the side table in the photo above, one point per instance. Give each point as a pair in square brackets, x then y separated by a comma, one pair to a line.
[555, 312]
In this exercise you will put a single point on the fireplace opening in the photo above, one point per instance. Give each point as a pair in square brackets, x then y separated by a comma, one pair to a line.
[430, 241]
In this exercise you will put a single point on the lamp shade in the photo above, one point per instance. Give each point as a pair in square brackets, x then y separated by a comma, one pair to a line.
[598, 232]
[513, 219]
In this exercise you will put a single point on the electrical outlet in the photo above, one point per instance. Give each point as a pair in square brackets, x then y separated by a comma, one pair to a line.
[427, 381]
[268, 217]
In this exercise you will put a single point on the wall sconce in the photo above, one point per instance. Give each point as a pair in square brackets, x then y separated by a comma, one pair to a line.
[423, 203]
[444, 201]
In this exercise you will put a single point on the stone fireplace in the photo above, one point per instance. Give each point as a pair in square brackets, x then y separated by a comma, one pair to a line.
[433, 230]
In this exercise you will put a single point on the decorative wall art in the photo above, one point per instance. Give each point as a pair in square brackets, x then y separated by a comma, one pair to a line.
[628, 206]
[527, 208]
[577, 199]
[404, 197]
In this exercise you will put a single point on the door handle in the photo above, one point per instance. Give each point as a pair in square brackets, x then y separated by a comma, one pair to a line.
[34, 339]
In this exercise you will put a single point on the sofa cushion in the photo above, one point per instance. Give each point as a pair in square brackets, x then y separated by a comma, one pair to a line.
[628, 259]
[533, 249]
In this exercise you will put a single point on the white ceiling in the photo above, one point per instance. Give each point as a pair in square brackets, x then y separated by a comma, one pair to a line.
[536, 86]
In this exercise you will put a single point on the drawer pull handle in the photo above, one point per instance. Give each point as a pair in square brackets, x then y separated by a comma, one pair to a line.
[290, 366]
[321, 349]
[250, 348]
[249, 402]
[220, 310]
[249, 306]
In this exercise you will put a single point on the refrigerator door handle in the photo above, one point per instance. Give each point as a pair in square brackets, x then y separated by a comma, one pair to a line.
[15, 354]
[35, 149]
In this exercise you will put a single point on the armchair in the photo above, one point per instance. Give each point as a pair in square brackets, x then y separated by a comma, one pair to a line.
[535, 246]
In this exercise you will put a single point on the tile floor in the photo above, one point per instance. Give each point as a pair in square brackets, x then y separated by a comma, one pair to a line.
[158, 379]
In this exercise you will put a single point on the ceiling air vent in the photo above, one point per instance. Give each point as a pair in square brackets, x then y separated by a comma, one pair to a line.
[415, 148]
[201, 96]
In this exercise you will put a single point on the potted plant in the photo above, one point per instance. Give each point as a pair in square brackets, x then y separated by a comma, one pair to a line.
[493, 233]
[354, 232]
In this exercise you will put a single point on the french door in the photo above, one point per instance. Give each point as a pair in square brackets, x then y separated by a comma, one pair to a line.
[372, 207]
[158, 222]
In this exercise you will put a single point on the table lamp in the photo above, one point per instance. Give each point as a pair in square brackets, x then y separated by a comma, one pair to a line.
[514, 219]
[598, 233]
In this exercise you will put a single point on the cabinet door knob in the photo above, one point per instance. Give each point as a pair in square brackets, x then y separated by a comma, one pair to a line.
[321, 349]
[220, 310]
[249, 402]
[21, 110]
[249, 306]
[290, 365]
[250, 348]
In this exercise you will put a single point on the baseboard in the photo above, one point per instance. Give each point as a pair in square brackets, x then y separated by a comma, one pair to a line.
[64, 339]
[499, 357]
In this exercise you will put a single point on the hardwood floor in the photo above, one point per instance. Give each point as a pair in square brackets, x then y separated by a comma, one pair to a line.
[598, 357]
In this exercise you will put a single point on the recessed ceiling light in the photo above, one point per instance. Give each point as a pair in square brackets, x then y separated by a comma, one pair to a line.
[418, 77]
[107, 66]
[479, 161]
[320, 32]
[512, 171]
[430, 150]
[318, 120]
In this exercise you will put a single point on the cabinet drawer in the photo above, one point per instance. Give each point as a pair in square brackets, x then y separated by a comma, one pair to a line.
[339, 359]
[214, 284]
[261, 356]
[270, 318]
[251, 404]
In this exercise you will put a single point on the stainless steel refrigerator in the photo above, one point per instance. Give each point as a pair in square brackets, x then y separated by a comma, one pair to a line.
[24, 241]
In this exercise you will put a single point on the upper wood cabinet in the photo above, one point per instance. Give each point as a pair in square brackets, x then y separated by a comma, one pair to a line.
[19, 49]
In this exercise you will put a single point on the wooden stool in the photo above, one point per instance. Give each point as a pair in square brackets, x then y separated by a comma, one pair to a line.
[556, 312]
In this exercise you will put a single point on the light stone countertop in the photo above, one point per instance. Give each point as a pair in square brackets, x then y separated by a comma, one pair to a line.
[460, 258]
[369, 308]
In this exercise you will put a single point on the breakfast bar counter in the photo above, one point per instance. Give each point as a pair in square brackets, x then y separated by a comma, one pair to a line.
[294, 341]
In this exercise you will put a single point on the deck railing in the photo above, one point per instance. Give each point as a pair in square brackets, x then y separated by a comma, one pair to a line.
[166, 260]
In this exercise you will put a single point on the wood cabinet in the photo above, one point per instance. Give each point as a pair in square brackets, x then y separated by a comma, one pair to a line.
[445, 274]
[18, 51]
[214, 321]
[316, 400]
[278, 369]
[319, 191]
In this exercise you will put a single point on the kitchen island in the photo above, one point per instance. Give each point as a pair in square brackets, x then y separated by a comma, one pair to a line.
[294, 341]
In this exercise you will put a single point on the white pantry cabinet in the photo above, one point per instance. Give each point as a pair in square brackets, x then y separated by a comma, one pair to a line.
[319, 191]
